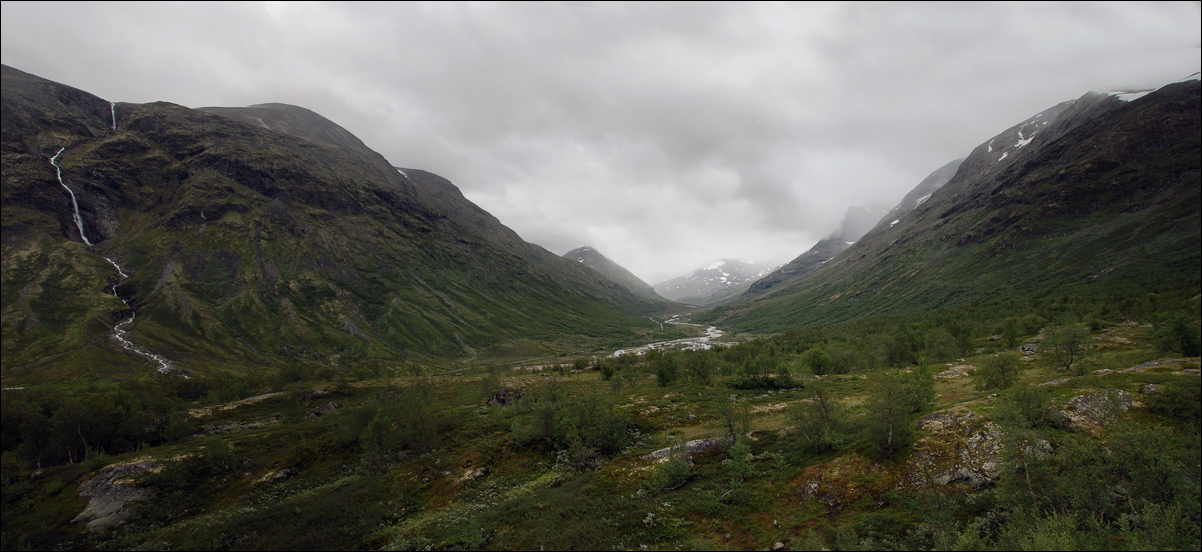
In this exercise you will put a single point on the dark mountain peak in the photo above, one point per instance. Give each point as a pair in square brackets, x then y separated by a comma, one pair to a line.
[593, 259]
[33, 105]
[300, 122]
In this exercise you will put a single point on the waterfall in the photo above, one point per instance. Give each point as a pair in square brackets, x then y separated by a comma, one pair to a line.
[113, 110]
[74, 202]
[119, 330]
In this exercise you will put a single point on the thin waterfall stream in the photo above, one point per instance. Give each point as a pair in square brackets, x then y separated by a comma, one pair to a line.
[119, 331]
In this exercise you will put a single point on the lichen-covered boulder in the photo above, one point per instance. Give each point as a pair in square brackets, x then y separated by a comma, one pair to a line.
[113, 496]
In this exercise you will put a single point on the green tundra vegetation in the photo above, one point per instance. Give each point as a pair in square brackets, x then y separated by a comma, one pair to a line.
[874, 434]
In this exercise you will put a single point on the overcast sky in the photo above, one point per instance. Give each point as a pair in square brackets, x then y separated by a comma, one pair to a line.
[664, 135]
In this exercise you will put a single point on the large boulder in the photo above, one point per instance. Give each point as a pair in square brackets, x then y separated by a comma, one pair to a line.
[113, 496]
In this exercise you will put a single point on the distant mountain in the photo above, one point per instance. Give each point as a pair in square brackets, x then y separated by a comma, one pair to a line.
[1096, 196]
[715, 282]
[257, 236]
[595, 260]
[856, 222]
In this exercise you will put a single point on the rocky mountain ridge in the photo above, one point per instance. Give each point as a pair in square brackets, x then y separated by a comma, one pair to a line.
[1105, 194]
[257, 243]
[593, 259]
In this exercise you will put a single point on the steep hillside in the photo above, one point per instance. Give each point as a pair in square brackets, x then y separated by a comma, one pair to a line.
[593, 259]
[714, 282]
[921, 193]
[254, 243]
[856, 222]
[1094, 197]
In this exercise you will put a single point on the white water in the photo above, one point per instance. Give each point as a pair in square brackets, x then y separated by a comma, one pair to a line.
[74, 202]
[119, 331]
[686, 344]
[113, 109]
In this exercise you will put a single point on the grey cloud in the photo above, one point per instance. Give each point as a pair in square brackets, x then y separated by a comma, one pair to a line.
[665, 135]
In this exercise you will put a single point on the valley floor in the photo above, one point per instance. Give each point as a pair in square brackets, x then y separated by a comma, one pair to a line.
[608, 456]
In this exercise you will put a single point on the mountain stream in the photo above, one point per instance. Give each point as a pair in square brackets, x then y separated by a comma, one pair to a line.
[119, 331]
[687, 344]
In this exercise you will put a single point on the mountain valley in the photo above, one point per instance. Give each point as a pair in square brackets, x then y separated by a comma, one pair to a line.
[243, 328]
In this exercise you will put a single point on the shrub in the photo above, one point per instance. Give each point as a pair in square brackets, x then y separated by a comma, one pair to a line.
[997, 372]
[1010, 331]
[1179, 335]
[675, 472]
[699, 365]
[1026, 407]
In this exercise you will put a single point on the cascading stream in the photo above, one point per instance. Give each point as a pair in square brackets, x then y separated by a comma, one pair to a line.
[74, 203]
[113, 110]
[119, 331]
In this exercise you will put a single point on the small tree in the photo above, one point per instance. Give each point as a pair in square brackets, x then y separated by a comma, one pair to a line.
[821, 420]
[300, 392]
[997, 372]
[817, 359]
[735, 416]
[919, 387]
[890, 406]
[941, 345]
[740, 466]
[1010, 331]
[667, 369]
[1068, 345]
[609, 368]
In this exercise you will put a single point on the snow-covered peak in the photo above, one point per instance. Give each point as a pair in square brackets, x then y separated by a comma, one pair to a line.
[715, 264]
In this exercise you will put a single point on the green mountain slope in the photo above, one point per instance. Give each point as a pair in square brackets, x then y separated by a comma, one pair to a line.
[255, 243]
[1092, 197]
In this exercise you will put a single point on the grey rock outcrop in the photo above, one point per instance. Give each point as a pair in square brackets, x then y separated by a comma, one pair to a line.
[113, 496]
